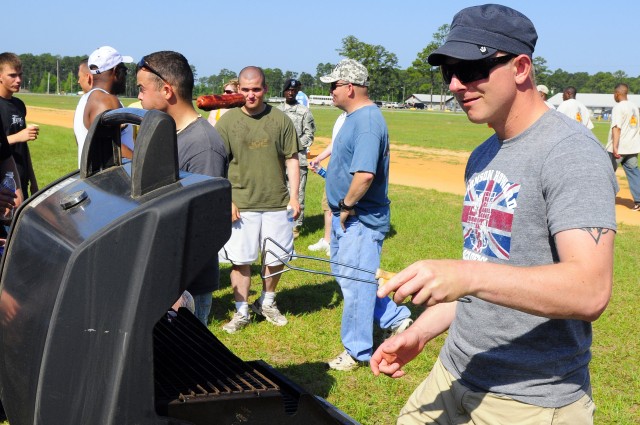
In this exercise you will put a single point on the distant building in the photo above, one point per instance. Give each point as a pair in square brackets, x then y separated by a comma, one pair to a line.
[599, 104]
[428, 101]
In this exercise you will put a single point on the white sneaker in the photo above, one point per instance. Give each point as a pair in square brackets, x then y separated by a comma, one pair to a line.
[269, 312]
[403, 326]
[344, 362]
[321, 245]
[236, 323]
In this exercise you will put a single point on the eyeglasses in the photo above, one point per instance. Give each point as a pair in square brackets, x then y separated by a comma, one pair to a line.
[469, 71]
[335, 85]
[144, 64]
[229, 92]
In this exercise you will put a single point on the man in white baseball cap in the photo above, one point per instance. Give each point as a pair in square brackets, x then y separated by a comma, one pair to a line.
[109, 72]
[544, 94]
[106, 58]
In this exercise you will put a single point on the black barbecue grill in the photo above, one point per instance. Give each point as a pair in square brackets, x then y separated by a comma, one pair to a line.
[93, 263]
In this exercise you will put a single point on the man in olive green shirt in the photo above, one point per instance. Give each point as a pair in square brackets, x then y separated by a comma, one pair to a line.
[262, 146]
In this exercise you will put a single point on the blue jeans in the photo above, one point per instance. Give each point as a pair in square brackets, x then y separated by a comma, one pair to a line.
[630, 167]
[203, 307]
[360, 247]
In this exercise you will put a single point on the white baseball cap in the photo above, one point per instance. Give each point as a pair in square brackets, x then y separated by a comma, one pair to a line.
[544, 89]
[105, 58]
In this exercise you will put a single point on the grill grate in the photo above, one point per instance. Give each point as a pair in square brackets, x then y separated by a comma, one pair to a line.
[190, 362]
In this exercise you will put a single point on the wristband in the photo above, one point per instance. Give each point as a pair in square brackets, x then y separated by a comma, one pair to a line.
[344, 207]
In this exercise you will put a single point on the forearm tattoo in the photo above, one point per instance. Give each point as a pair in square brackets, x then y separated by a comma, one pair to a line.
[596, 232]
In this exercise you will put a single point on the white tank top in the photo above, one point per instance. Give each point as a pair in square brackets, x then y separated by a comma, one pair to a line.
[126, 136]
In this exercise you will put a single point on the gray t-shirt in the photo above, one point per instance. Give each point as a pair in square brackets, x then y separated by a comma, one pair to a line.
[554, 176]
[201, 150]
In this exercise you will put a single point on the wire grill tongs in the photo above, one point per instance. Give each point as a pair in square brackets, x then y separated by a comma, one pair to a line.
[380, 277]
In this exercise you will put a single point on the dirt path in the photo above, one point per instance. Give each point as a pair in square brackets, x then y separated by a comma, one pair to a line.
[437, 169]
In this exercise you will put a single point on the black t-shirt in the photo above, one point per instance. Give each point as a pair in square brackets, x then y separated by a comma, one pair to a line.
[13, 113]
[5, 149]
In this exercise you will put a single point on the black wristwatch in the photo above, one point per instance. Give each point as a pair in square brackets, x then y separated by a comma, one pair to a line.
[344, 207]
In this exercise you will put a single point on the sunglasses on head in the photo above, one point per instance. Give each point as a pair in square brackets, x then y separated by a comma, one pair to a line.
[469, 71]
[144, 64]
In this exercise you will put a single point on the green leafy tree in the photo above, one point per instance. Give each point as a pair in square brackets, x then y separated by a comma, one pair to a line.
[424, 77]
[602, 82]
[275, 81]
[381, 64]
[308, 83]
[541, 70]
[70, 83]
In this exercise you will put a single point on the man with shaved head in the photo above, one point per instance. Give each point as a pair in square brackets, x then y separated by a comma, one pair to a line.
[624, 140]
[262, 146]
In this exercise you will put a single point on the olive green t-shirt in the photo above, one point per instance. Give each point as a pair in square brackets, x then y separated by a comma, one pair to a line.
[257, 147]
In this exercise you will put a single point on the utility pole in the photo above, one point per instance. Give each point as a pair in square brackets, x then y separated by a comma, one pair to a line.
[57, 76]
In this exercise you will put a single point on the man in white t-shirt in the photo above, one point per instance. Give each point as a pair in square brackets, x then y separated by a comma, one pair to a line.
[624, 140]
[575, 109]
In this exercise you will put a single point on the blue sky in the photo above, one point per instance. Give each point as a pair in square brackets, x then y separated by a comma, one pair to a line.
[584, 36]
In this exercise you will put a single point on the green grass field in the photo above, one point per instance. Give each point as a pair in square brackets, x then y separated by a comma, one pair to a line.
[425, 224]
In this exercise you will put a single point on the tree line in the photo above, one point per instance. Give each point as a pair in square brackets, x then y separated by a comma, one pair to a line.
[47, 73]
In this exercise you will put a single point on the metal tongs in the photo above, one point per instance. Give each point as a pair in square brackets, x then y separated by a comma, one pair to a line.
[379, 276]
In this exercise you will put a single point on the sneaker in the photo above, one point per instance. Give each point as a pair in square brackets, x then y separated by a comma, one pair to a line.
[321, 245]
[238, 322]
[344, 362]
[296, 232]
[636, 207]
[403, 326]
[269, 312]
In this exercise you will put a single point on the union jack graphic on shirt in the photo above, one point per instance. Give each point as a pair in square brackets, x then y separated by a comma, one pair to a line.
[487, 215]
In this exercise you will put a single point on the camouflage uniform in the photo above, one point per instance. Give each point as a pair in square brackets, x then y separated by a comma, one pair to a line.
[305, 128]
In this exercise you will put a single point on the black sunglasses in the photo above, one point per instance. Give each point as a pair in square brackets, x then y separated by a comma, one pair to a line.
[469, 71]
[144, 64]
[335, 85]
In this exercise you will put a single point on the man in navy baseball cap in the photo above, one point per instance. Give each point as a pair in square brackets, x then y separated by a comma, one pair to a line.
[538, 226]
[479, 32]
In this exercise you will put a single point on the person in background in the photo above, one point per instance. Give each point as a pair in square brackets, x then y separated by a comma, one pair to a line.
[357, 185]
[544, 94]
[624, 140]
[109, 73]
[305, 125]
[85, 80]
[575, 109]
[263, 147]
[8, 200]
[165, 83]
[13, 114]
[323, 243]
[230, 87]
[538, 227]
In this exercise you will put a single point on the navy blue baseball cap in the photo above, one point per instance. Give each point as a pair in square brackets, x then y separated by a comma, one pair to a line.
[478, 32]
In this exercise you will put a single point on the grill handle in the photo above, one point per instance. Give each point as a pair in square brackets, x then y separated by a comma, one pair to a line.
[155, 157]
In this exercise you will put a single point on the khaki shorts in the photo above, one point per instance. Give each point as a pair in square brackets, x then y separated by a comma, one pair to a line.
[441, 399]
[324, 202]
[248, 233]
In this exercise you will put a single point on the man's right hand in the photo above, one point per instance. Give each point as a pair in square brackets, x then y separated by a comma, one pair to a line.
[28, 134]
